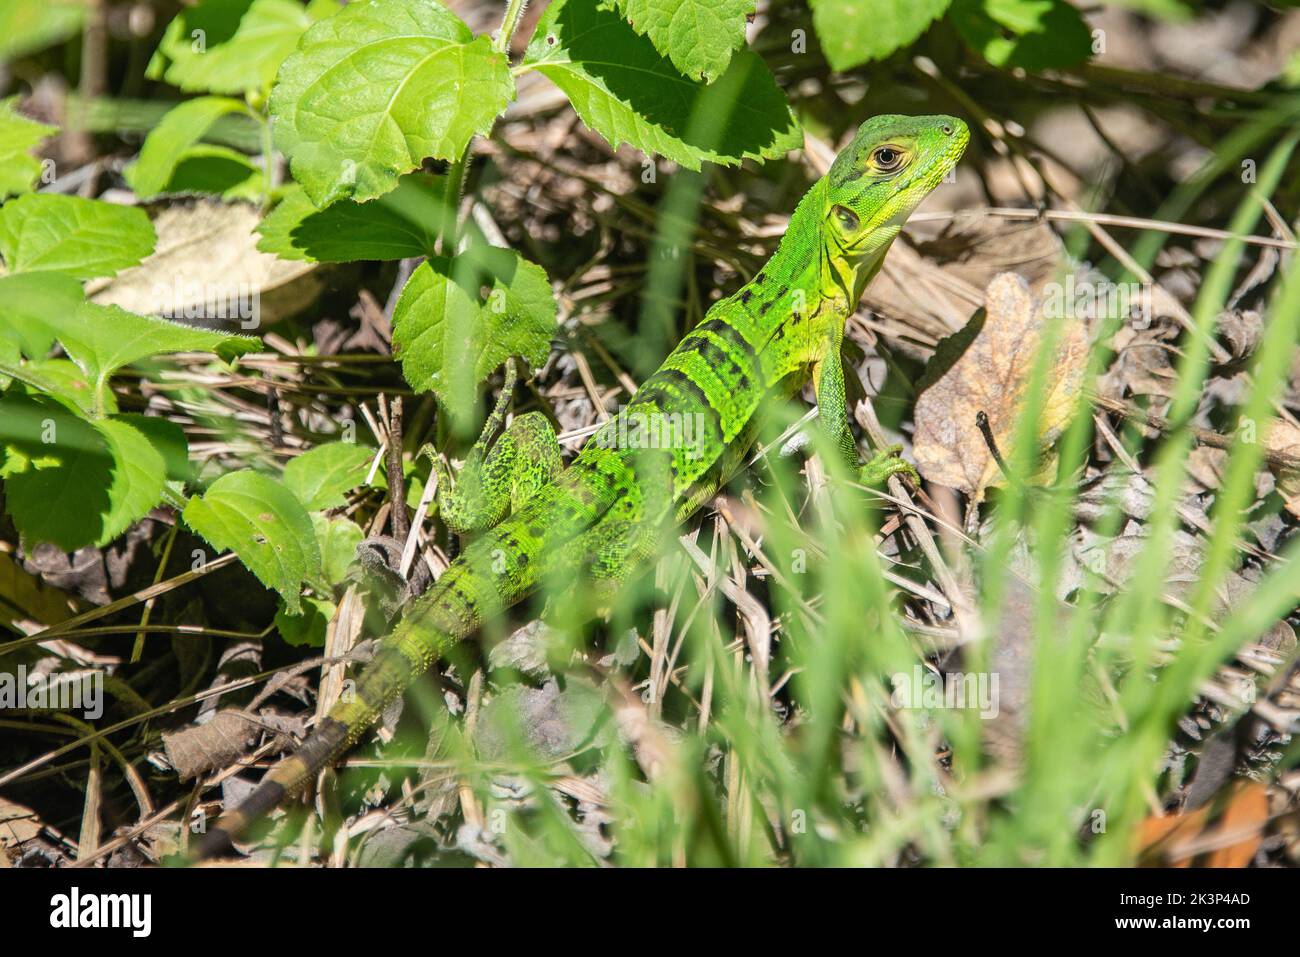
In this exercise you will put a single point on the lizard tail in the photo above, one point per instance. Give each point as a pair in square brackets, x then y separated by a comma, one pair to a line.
[438, 619]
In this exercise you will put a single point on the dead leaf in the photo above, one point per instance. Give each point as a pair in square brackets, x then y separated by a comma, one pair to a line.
[1228, 839]
[986, 367]
[551, 723]
[222, 740]
[18, 825]
[207, 270]
[1283, 438]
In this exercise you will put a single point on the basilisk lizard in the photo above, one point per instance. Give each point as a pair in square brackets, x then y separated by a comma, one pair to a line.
[606, 513]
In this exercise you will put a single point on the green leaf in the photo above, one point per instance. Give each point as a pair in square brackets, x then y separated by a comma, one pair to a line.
[852, 32]
[30, 25]
[338, 539]
[82, 238]
[166, 144]
[168, 439]
[1291, 72]
[57, 472]
[102, 339]
[28, 303]
[699, 36]
[450, 338]
[628, 93]
[139, 473]
[231, 46]
[397, 225]
[63, 380]
[1031, 34]
[18, 168]
[218, 170]
[72, 482]
[263, 523]
[308, 628]
[321, 476]
[376, 89]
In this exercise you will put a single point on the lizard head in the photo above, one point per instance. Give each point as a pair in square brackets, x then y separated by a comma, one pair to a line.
[878, 179]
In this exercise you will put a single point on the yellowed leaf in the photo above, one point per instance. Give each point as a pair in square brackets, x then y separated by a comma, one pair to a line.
[1283, 438]
[18, 825]
[986, 367]
[207, 270]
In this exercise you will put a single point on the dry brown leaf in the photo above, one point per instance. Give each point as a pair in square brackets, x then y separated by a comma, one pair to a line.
[18, 825]
[1176, 840]
[1283, 438]
[986, 367]
[207, 255]
[220, 741]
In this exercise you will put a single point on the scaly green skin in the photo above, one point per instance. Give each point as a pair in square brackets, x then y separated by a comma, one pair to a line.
[603, 515]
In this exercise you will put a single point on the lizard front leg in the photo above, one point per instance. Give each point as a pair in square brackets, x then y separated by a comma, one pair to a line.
[828, 383]
[497, 477]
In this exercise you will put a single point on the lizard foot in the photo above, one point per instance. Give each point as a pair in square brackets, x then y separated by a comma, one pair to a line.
[888, 461]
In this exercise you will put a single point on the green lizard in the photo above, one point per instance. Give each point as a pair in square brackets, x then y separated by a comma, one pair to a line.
[606, 513]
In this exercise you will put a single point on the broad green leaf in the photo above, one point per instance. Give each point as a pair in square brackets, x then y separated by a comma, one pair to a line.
[64, 381]
[263, 523]
[102, 339]
[72, 482]
[82, 238]
[30, 305]
[19, 169]
[30, 25]
[1031, 34]
[57, 472]
[372, 92]
[166, 144]
[220, 171]
[852, 32]
[11, 357]
[168, 439]
[139, 473]
[699, 36]
[397, 225]
[310, 626]
[628, 93]
[449, 339]
[231, 46]
[338, 538]
[321, 476]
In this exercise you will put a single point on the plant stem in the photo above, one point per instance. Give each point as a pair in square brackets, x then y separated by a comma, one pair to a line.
[138, 648]
[514, 10]
[449, 234]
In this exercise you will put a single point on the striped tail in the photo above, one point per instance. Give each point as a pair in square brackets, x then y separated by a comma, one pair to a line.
[447, 613]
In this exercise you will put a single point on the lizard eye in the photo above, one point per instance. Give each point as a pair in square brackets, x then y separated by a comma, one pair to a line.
[887, 158]
[847, 218]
